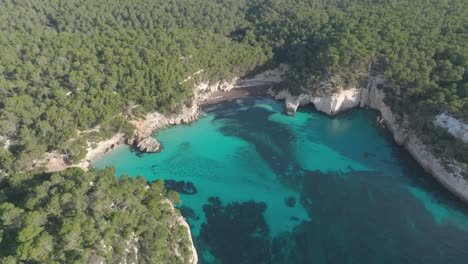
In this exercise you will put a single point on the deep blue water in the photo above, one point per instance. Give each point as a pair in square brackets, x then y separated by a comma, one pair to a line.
[262, 187]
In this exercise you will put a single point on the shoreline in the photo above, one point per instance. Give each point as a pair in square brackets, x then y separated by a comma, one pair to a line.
[452, 181]
[450, 174]
[205, 95]
[55, 162]
[332, 104]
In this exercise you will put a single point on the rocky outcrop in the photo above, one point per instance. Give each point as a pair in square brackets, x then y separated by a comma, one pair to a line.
[332, 98]
[448, 173]
[194, 258]
[332, 104]
[148, 145]
[455, 127]
[202, 91]
[5, 142]
[179, 220]
[144, 127]
[131, 251]
[373, 97]
[291, 103]
[329, 103]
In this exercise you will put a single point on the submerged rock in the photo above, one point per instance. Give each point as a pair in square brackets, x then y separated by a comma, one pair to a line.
[290, 201]
[149, 145]
[181, 186]
[189, 213]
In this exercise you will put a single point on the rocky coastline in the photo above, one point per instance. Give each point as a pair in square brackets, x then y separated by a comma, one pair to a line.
[448, 173]
[142, 138]
[144, 127]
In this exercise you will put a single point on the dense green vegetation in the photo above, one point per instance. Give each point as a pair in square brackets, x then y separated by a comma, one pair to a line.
[88, 217]
[74, 65]
[420, 49]
[69, 66]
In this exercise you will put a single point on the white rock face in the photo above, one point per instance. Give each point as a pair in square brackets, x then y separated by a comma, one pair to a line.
[179, 220]
[130, 254]
[451, 178]
[373, 97]
[155, 120]
[332, 104]
[152, 121]
[291, 103]
[327, 103]
[455, 127]
[194, 258]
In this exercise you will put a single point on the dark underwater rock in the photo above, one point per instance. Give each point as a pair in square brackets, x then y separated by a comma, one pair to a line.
[180, 186]
[290, 201]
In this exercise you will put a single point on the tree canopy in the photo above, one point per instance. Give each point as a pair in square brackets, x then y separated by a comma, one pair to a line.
[88, 217]
[69, 66]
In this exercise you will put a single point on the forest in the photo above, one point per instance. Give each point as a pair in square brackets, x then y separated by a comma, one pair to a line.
[70, 66]
[88, 217]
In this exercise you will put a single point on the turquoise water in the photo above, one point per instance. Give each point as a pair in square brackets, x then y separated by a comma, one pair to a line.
[261, 187]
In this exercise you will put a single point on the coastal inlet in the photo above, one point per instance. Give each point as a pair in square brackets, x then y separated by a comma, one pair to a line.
[258, 186]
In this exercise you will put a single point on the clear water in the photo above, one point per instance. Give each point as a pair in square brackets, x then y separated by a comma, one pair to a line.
[305, 189]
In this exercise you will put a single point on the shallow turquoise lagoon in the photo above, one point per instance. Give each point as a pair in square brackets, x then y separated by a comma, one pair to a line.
[261, 187]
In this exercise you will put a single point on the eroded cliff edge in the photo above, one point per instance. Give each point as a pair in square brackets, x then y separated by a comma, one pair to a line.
[448, 173]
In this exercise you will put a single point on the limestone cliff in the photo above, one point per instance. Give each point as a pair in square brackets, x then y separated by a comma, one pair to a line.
[132, 253]
[202, 91]
[194, 258]
[448, 173]
[455, 127]
[330, 103]
[179, 220]
[144, 127]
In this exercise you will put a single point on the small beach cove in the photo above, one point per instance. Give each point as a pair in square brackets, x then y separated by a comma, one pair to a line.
[261, 187]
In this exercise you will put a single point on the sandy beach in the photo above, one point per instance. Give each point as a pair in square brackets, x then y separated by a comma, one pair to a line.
[236, 93]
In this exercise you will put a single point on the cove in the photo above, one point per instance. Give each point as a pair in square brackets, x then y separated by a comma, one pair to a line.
[261, 187]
